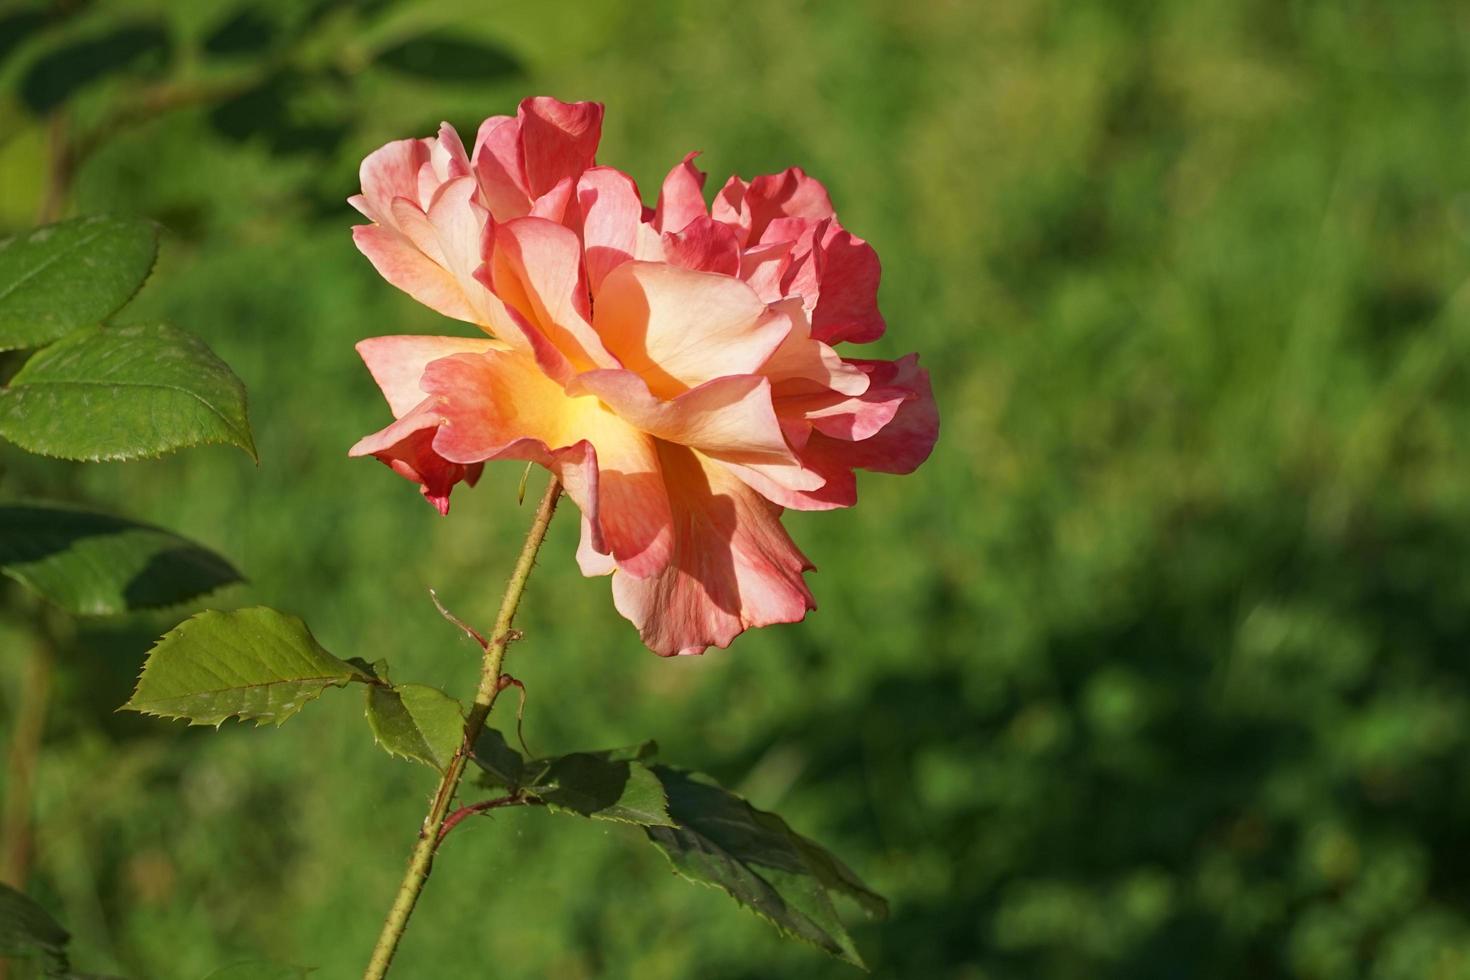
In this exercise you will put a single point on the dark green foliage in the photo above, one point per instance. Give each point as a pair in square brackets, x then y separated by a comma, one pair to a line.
[73, 274]
[253, 664]
[28, 932]
[122, 393]
[93, 564]
[140, 47]
[719, 839]
[449, 58]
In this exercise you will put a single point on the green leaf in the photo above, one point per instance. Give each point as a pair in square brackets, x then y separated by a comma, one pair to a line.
[603, 788]
[754, 857]
[253, 663]
[124, 392]
[27, 931]
[416, 722]
[260, 971]
[93, 564]
[612, 784]
[69, 275]
[502, 765]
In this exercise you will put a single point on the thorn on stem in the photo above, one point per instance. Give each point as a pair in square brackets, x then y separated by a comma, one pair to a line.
[484, 806]
[507, 681]
[469, 630]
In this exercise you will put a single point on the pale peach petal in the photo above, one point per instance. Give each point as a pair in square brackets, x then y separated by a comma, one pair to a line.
[802, 365]
[763, 267]
[458, 223]
[733, 566]
[678, 329]
[536, 268]
[554, 203]
[649, 244]
[592, 562]
[611, 214]
[681, 199]
[499, 405]
[390, 172]
[730, 417]
[448, 236]
[402, 264]
[446, 161]
[397, 363]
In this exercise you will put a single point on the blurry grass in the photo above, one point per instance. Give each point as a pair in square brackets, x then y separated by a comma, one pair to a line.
[1157, 669]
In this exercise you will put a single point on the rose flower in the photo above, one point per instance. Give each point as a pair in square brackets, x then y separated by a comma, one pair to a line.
[674, 367]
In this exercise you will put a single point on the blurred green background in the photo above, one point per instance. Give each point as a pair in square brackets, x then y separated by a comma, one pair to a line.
[1157, 669]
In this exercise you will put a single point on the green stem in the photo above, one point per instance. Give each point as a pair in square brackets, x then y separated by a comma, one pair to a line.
[422, 859]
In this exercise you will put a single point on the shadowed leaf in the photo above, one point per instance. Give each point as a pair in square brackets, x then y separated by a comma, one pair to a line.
[449, 58]
[123, 393]
[248, 32]
[502, 765]
[753, 856]
[28, 932]
[73, 274]
[57, 75]
[93, 564]
[594, 785]
[255, 664]
[416, 722]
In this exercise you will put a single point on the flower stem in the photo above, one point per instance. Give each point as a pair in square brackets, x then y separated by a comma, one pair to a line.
[422, 859]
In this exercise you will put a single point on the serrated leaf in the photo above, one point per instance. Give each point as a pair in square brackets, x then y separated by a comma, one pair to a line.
[74, 274]
[28, 931]
[93, 564]
[416, 722]
[122, 393]
[255, 664]
[603, 788]
[501, 765]
[753, 856]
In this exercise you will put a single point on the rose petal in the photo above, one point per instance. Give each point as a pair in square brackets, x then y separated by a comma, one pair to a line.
[678, 329]
[537, 269]
[704, 245]
[558, 140]
[498, 405]
[397, 363]
[847, 309]
[500, 169]
[406, 447]
[803, 365]
[611, 214]
[732, 567]
[389, 172]
[681, 199]
[400, 262]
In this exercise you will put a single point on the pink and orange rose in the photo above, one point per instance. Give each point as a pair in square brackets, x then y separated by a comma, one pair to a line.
[675, 367]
